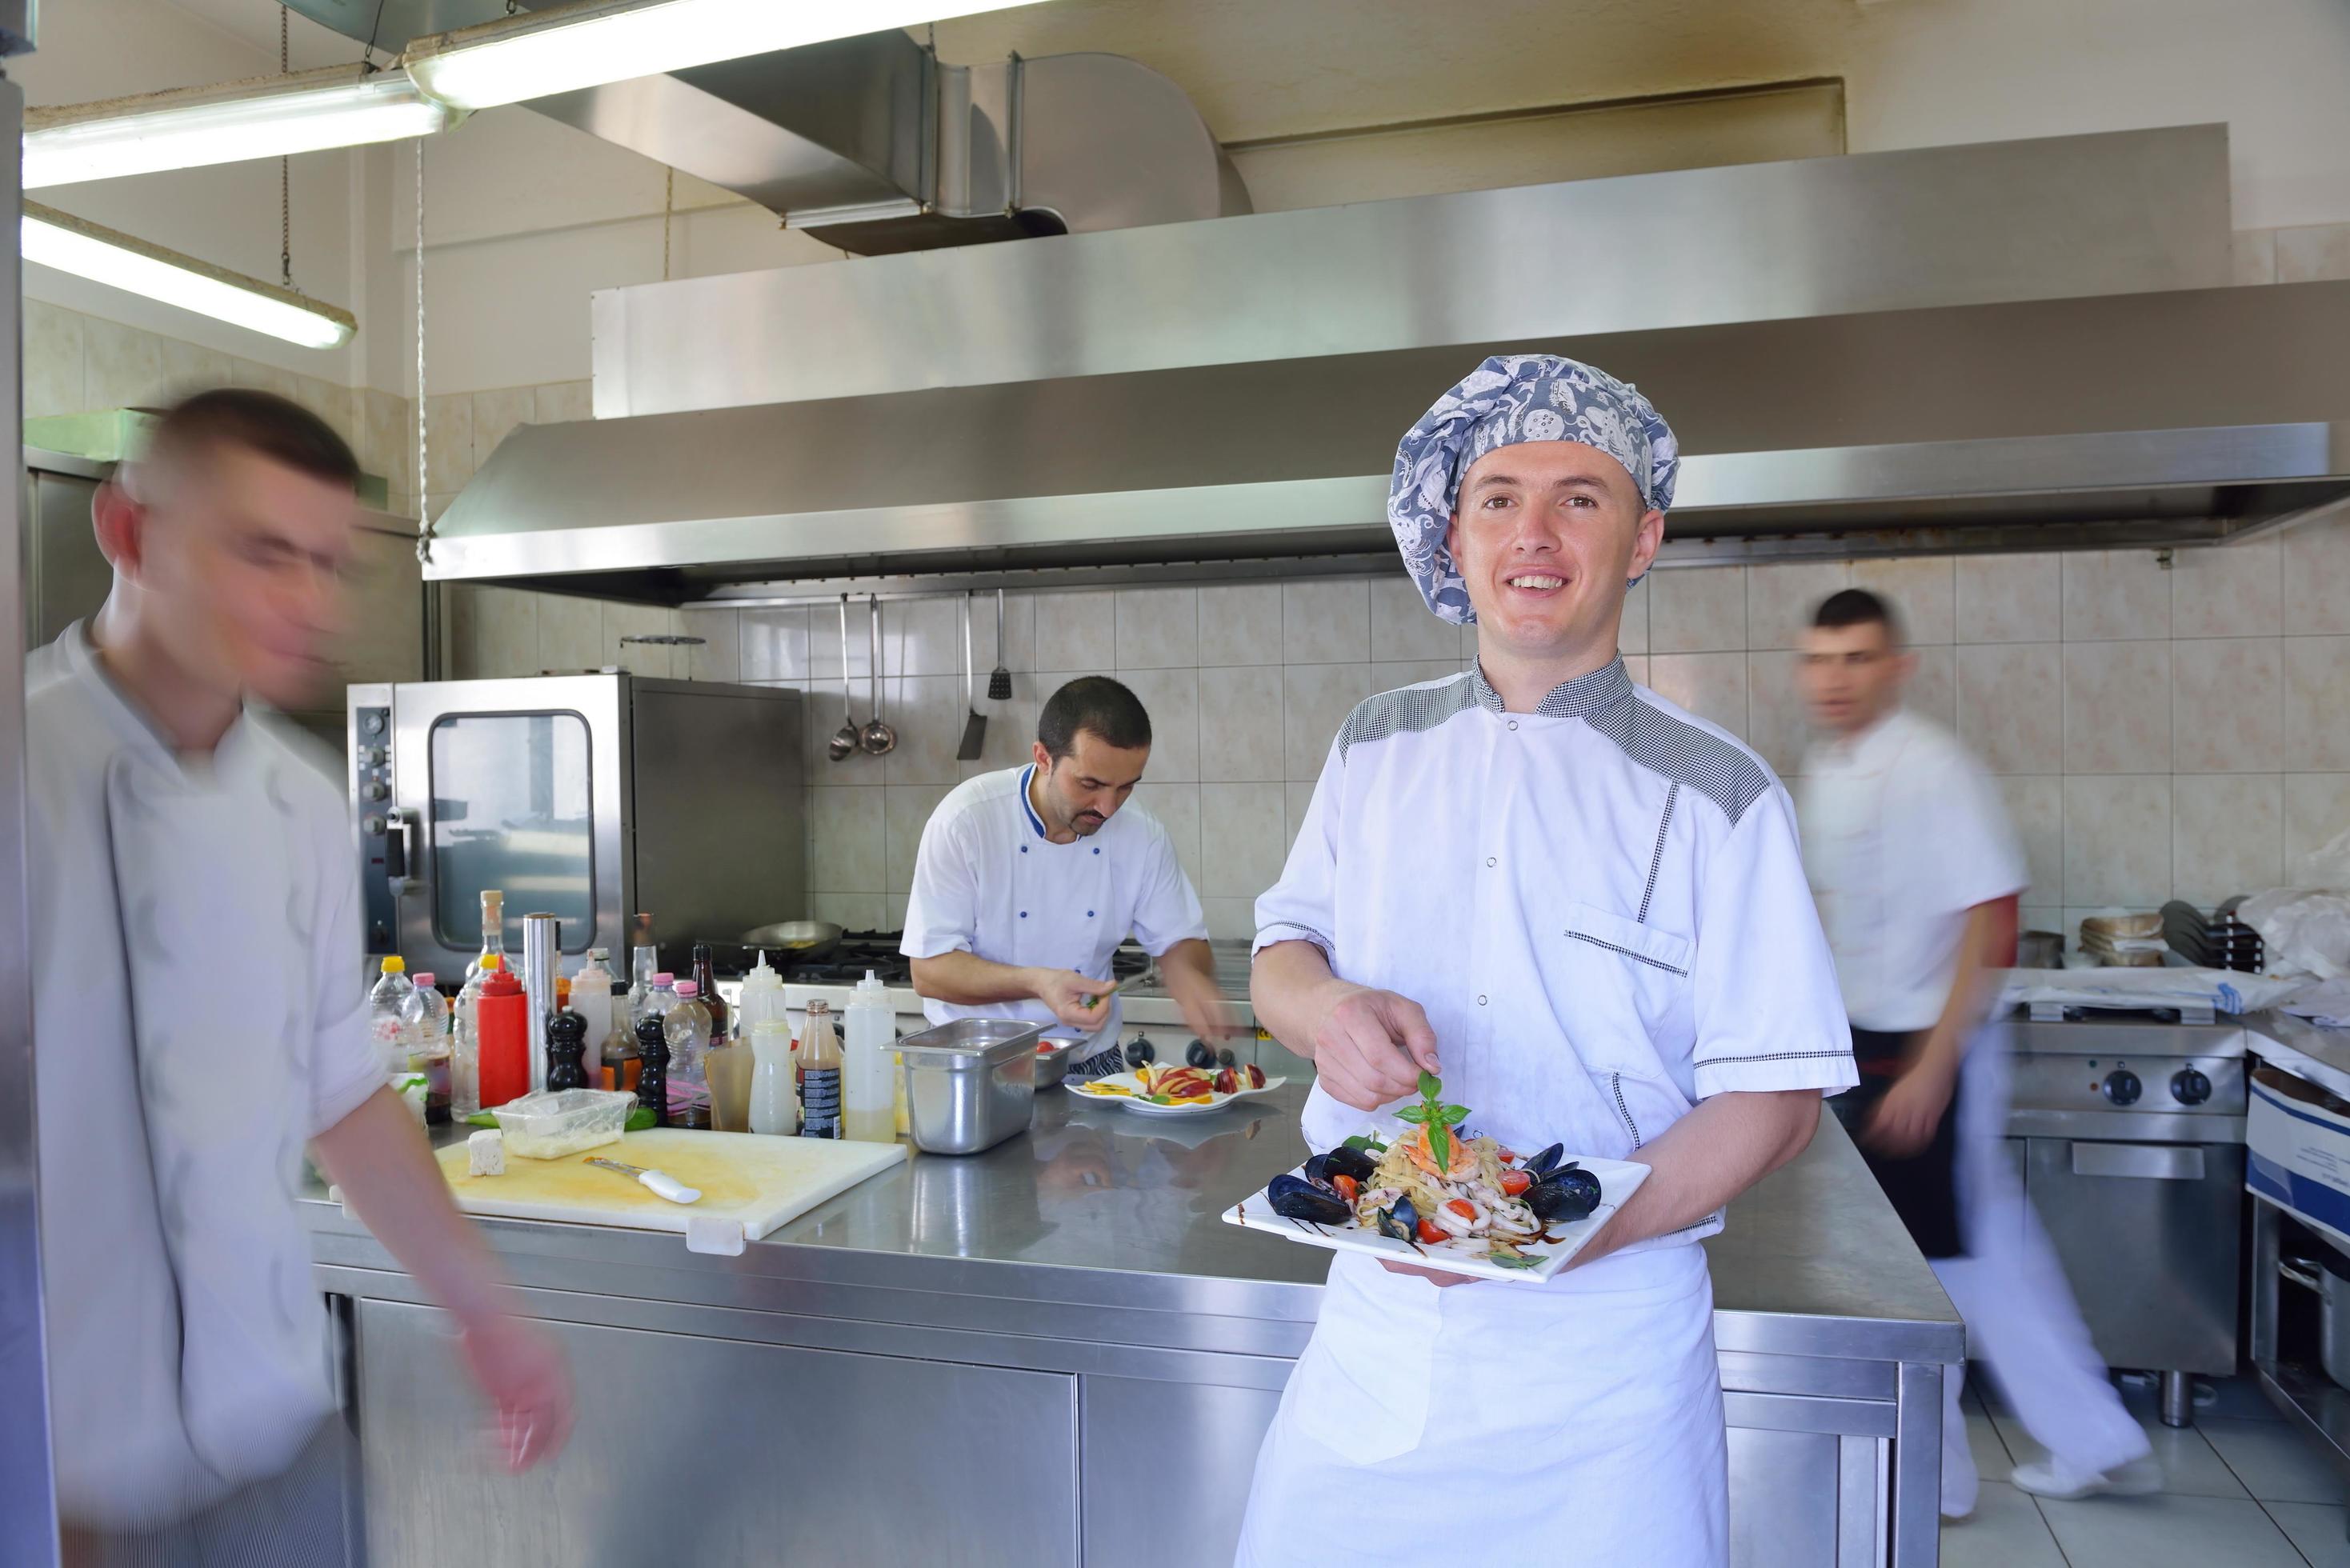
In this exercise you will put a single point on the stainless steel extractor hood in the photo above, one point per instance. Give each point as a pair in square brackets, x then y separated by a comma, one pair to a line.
[2176, 417]
[2003, 346]
[873, 145]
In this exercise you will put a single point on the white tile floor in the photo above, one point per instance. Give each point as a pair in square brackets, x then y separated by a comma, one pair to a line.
[2242, 1490]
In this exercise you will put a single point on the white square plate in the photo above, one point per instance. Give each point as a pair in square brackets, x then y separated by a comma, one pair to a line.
[1619, 1179]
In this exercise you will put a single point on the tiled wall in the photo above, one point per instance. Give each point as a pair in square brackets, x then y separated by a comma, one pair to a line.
[2312, 253]
[2157, 732]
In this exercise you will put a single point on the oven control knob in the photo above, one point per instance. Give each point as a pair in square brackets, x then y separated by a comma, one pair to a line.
[2122, 1087]
[377, 790]
[2190, 1087]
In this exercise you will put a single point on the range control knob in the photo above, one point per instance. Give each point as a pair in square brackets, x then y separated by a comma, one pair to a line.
[2122, 1087]
[2188, 1086]
[376, 791]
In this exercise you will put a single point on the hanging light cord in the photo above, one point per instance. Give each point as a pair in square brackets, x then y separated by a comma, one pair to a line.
[284, 170]
[423, 505]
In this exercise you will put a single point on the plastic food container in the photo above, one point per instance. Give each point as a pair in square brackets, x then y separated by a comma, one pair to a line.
[970, 1085]
[550, 1125]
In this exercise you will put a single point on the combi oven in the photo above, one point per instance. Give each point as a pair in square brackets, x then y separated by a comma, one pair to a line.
[586, 796]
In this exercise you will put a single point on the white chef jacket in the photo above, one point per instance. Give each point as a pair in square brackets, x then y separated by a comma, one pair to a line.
[1903, 834]
[1600, 904]
[197, 1012]
[988, 881]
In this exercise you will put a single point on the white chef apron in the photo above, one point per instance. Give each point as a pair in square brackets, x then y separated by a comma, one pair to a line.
[1581, 1421]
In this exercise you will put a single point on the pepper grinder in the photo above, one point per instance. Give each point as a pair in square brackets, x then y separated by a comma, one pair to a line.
[652, 1071]
[567, 1051]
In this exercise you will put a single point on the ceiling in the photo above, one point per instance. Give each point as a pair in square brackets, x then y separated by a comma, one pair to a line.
[1261, 68]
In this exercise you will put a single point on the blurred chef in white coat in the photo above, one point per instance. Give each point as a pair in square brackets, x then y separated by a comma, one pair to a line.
[199, 1015]
[1585, 910]
[1027, 880]
[1917, 877]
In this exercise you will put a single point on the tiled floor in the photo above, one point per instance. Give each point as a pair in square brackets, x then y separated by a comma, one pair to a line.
[2242, 1490]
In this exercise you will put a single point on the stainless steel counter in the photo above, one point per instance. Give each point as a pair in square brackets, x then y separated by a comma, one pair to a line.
[1079, 1280]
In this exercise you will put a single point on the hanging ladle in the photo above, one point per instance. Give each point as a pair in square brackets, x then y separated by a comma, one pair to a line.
[845, 739]
[878, 738]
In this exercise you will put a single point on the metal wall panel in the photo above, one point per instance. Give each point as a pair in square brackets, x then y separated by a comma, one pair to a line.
[27, 1504]
[2108, 213]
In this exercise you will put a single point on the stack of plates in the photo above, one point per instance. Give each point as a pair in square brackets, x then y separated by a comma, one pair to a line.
[2216, 940]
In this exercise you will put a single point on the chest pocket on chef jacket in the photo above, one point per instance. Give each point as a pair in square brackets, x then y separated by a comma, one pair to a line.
[1621, 985]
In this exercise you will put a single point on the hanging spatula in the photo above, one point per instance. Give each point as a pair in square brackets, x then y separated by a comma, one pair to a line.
[999, 684]
[974, 723]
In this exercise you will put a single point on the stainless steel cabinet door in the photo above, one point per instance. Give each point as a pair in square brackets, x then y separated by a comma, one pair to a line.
[1168, 1467]
[2151, 1238]
[712, 1453]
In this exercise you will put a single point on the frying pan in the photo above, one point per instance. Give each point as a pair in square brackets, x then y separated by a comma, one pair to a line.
[799, 939]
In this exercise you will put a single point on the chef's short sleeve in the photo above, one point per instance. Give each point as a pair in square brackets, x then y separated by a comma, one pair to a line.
[1166, 908]
[1971, 853]
[1768, 1011]
[345, 1066]
[942, 912]
[1302, 905]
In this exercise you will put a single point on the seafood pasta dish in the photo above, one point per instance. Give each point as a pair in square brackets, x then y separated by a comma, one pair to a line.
[1434, 1186]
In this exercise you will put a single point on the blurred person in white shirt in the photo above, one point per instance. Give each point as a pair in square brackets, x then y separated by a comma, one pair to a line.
[200, 1018]
[1917, 876]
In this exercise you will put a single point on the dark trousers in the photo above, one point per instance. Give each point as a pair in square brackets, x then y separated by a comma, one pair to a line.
[1923, 1186]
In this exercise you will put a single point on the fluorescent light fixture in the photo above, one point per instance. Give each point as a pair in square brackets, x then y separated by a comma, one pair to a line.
[267, 117]
[89, 250]
[564, 48]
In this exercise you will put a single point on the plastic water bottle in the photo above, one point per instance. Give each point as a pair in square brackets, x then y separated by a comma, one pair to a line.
[426, 1017]
[387, 1015]
[775, 1098]
[868, 1105]
[686, 1027]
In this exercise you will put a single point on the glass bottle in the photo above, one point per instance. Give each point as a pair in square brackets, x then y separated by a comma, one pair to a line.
[686, 1026]
[707, 979]
[465, 1058]
[819, 1075]
[494, 933]
[644, 963]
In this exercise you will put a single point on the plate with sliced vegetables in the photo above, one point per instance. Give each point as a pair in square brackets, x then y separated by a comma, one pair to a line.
[1179, 1090]
[1425, 1190]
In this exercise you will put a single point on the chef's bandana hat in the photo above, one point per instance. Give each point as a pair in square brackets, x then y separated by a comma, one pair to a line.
[1510, 399]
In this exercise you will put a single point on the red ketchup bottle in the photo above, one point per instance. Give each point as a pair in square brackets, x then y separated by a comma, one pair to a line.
[505, 1057]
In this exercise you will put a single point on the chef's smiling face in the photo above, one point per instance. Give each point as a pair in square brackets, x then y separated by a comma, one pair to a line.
[1546, 535]
[1078, 793]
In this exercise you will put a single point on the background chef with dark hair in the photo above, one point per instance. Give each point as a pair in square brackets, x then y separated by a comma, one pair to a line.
[1027, 880]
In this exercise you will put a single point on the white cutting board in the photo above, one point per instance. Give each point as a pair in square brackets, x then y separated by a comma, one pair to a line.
[751, 1183]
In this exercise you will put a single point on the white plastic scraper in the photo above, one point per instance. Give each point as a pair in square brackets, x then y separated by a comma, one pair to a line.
[660, 1182]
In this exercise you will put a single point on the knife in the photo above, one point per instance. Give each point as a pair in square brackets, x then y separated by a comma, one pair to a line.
[659, 1182]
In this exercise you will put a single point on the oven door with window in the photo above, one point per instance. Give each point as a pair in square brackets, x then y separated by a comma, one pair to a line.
[518, 785]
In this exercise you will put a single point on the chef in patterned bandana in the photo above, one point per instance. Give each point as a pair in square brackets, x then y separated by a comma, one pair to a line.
[1584, 909]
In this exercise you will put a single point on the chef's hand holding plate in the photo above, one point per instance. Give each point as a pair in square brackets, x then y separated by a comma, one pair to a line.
[1079, 1002]
[1370, 1046]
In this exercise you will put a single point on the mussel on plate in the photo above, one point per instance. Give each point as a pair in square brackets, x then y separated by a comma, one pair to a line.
[1401, 1221]
[1541, 1164]
[1294, 1197]
[1567, 1193]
